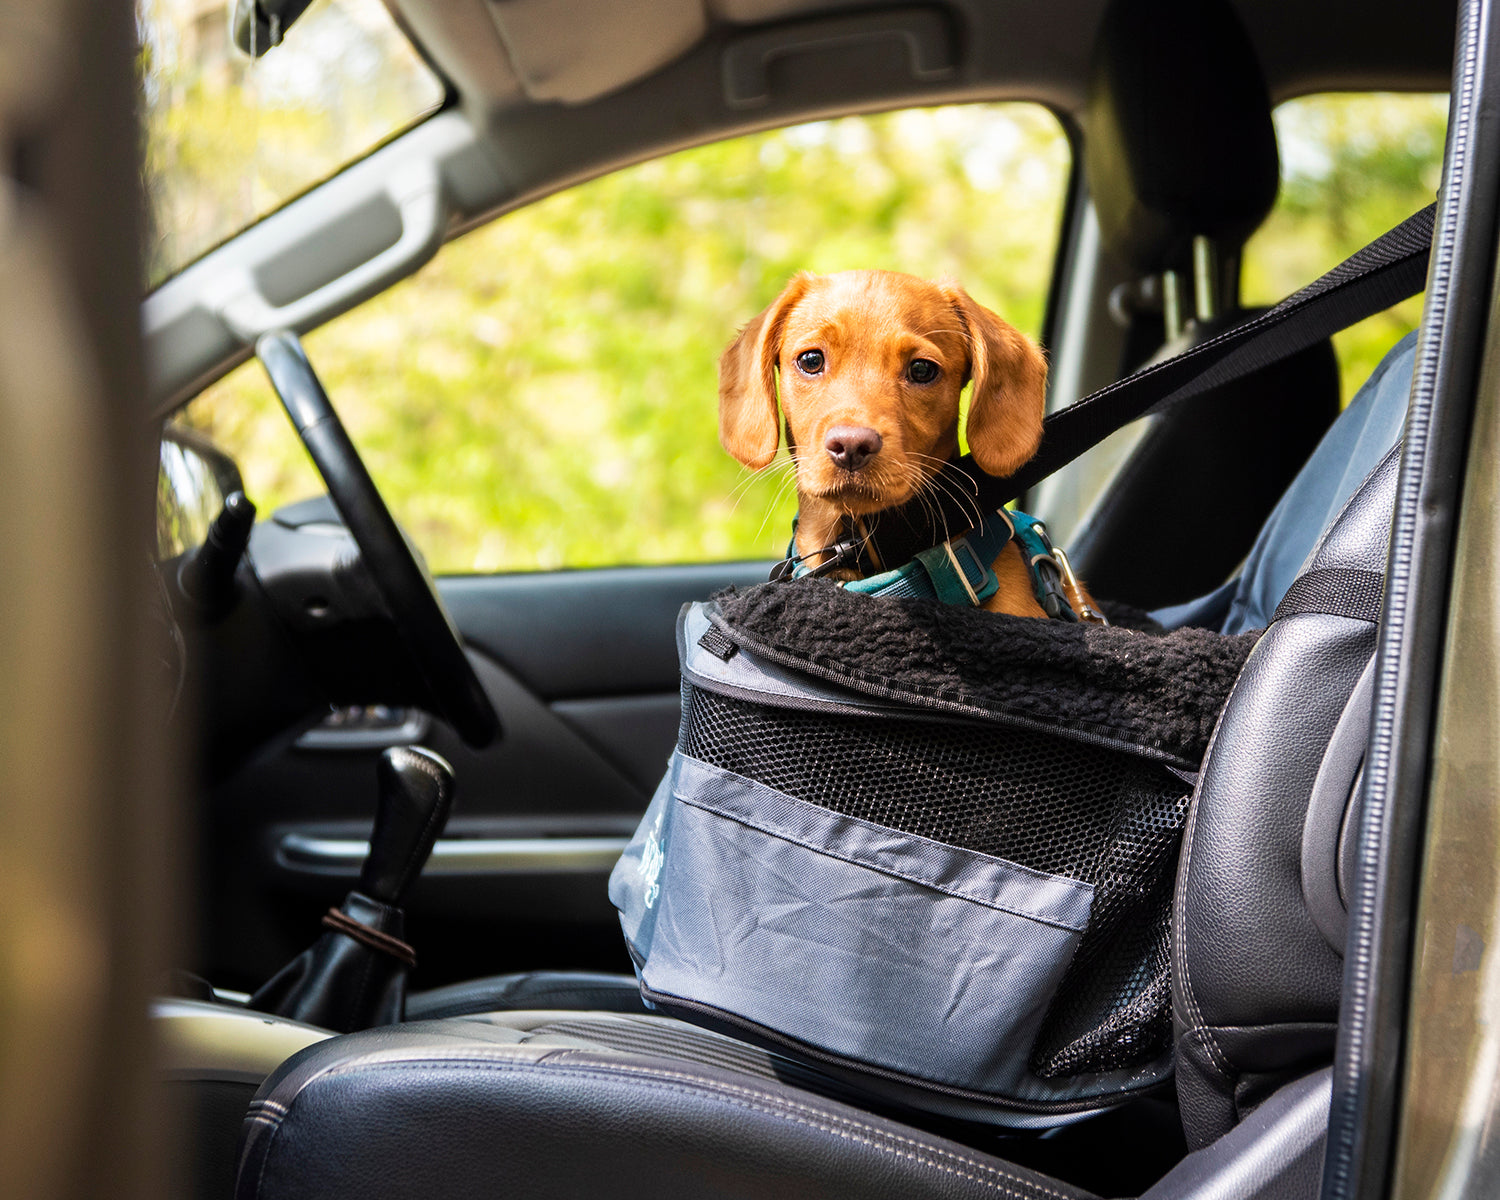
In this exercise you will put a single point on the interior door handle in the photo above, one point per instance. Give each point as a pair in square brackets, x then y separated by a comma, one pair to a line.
[315, 855]
[417, 195]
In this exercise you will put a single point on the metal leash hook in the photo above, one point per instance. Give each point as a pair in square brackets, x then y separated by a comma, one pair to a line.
[845, 553]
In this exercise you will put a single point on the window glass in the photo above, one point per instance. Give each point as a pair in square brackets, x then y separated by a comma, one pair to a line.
[544, 394]
[1352, 166]
[226, 140]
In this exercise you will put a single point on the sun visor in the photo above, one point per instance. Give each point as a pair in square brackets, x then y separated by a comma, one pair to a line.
[1180, 141]
[574, 51]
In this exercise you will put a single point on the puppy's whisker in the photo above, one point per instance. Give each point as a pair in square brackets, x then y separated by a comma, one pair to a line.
[749, 481]
[924, 481]
[947, 465]
[919, 482]
[930, 332]
[927, 491]
[764, 474]
[774, 504]
[965, 504]
[963, 488]
[951, 485]
[939, 517]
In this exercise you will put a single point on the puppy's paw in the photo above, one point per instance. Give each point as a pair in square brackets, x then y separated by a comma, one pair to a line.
[843, 575]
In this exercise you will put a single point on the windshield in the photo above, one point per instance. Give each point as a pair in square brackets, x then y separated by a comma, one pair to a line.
[228, 140]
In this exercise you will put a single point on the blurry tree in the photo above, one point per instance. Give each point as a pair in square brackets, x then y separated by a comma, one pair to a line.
[226, 140]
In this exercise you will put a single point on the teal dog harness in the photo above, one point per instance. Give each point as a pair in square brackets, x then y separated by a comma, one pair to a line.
[958, 571]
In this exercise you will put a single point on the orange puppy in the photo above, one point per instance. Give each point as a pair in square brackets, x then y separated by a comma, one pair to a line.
[871, 365]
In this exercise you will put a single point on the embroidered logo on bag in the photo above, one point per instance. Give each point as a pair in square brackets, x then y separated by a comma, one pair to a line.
[652, 858]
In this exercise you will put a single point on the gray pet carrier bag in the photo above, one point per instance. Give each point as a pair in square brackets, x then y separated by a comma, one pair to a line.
[924, 845]
[930, 849]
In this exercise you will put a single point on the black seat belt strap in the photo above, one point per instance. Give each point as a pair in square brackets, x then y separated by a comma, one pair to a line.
[1387, 271]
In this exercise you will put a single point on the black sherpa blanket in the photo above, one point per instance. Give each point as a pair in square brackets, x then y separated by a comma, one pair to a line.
[1153, 692]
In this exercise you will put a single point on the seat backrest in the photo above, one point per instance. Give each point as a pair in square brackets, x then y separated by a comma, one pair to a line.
[1180, 142]
[1256, 966]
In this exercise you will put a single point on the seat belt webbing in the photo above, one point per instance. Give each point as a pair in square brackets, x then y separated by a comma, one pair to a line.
[1390, 269]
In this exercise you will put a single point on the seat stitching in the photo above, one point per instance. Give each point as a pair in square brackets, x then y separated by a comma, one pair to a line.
[464, 1005]
[432, 772]
[806, 1108]
[778, 1107]
[1203, 1035]
[1179, 917]
[701, 1087]
[265, 1161]
[480, 993]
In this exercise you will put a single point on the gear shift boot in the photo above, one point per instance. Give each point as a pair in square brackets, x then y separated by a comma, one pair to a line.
[354, 975]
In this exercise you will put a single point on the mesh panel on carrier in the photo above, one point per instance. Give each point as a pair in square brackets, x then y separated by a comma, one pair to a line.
[1092, 813]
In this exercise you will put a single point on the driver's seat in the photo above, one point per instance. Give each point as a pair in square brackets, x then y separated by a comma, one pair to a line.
[585, 1103]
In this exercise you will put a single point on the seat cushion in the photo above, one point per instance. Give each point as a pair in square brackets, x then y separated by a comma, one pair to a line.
[565, 1105]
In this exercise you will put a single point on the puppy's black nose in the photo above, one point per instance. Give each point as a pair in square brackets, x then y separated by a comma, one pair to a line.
[850, 446]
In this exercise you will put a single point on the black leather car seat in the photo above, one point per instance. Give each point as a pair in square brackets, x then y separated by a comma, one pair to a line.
[590, 990]
[568, 1104]
[1258, 926]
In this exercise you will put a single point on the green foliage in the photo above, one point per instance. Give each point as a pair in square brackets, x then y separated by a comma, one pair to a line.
[1352, 167]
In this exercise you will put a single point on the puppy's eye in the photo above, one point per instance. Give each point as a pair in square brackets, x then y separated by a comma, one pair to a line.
[921, 370]
[810, 362]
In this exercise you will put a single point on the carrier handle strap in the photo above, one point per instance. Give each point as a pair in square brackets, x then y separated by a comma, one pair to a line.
[1390, 269]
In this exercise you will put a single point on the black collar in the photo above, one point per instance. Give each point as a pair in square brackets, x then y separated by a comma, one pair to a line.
[892, 537]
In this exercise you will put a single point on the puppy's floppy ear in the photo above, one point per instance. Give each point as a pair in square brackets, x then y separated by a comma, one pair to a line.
[748, 426]
[1010, 388]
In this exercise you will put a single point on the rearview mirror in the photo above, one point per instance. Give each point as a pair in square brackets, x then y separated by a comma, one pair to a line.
[260, 24]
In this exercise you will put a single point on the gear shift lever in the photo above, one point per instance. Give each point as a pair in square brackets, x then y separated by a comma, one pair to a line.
[415, 792]
[354, 975]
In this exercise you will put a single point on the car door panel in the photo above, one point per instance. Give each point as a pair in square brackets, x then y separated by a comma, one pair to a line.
[582, 668]
[572, 634]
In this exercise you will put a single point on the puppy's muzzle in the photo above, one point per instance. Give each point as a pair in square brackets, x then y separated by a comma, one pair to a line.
[851, 446]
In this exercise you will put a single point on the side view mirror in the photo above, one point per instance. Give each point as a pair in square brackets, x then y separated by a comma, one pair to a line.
[194, 479]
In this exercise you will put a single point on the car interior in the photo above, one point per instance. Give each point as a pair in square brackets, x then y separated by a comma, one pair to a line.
[324, 682]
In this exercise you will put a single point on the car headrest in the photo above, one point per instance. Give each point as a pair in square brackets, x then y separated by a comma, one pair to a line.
[1180, 141]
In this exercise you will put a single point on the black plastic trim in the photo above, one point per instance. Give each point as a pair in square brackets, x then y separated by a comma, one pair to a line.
[1370, 1054]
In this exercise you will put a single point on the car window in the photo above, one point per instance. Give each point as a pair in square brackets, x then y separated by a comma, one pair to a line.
[1352, 167]
[227, 140]
[544, 393]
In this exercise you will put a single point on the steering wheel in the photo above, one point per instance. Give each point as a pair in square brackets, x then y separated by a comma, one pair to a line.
[401, 577]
